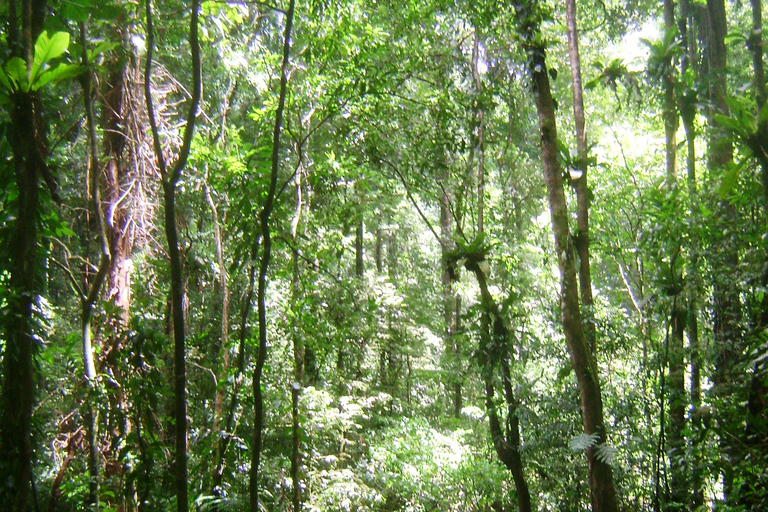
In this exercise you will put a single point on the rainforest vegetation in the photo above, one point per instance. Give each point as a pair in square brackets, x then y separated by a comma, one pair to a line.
[383, 255]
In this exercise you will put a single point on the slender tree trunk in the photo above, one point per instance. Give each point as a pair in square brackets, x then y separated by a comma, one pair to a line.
[495, 349]
[229, 423]
[91, 293]
[677, 399]
[600, 474]
[480, 138]
[223, 350]
[170, 179]
[265, 217]
[28, 144]
[582, 194]
[298, 351]
[687, 108]
[359, 234]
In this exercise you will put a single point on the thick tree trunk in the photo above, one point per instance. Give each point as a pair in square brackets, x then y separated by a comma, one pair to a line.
[27, 137]
[726, 301]
[265, 217]
[677, 398]
[18, 376]
[581, 183]
[600, 473]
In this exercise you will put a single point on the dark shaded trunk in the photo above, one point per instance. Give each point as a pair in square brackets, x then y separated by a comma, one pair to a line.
[28, 142]
[687, 105]
[265, 217]
[677, 397]
[359, 233]
[725, 296]
[600, 474]
[170, 179]
[494, 348]
[18, 376]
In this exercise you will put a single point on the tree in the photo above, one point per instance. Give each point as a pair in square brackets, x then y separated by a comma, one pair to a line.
[527, 19]
[29, 147]
[170, 179]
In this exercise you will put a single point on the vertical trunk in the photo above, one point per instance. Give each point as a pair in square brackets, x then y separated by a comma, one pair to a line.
[114, 122]
[687, 109]
[91, 294]
[223, 349]
[676, 342]
[726, 302]
[600, 474]
[379, 250]
[265, 218]
[495, 349]
[359, 232]
[582, 195]
[170, 179]
[480, 137]
[449, 300]
[27, 138]
[298, 353]
[756, 47]
[298, 358]
[225, 439]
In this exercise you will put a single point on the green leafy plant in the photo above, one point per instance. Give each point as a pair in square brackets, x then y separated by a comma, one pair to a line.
[17, 76]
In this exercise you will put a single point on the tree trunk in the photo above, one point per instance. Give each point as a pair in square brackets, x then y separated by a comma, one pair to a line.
[265, 217]
[91, 291]
[726, 301]
[687, 109]
[582, 194]
[29, 146]
[600, 473]
[359, 232]
[494, 348]
[480, 137]
[170, 179]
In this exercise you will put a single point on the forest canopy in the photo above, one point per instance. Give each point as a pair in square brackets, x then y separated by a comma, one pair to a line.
[360, 255]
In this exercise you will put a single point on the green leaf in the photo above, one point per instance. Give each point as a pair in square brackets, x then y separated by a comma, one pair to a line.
[16, 70]
[5, 82]
[734, 37]
[730, 178]
[47, 49]
[74, 11]
[583, 441]
[606, 453]
[100, 48]
[59, 73]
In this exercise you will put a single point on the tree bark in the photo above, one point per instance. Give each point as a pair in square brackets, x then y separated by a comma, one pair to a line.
[726, 301]
[495, 349]
[265, 218]
[90, 294]
[29, 147]
[170, 179]
[581, 183]
[480, 137]
[600, 474]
